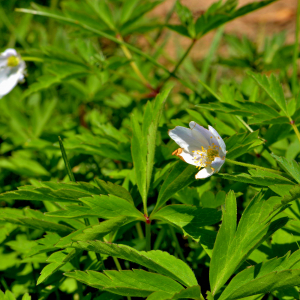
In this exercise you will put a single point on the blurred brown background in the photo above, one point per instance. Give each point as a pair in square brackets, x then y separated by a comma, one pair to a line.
[271, 19]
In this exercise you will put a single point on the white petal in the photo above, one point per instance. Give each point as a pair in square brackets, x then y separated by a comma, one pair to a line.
[218, 137]
[187, 157]
[202, 139]
[9, 52]
[217, 164]
[208, 136]
[8, 81]
[204, 173]
[184, 138]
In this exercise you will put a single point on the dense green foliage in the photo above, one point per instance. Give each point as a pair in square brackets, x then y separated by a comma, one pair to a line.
[94, 205]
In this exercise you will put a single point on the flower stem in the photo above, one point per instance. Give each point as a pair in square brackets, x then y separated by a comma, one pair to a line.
[148, 236]
[296, 130]
[255, 167]
[139, 230]
[173, 73]
[178, 248]
[117, 263]
[133, 64]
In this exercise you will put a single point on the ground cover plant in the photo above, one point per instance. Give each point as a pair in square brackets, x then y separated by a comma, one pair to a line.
[127, 173]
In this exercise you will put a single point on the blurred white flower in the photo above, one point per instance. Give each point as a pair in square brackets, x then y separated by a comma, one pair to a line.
[12, 70]
[200, 147]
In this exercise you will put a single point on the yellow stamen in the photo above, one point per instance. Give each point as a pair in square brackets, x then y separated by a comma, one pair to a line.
[13, 61]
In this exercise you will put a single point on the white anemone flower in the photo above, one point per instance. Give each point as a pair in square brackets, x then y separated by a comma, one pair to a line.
[12, 70]
[200, 147]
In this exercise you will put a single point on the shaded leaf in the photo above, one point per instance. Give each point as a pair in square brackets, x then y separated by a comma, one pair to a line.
[159, 261]
[180, 176]
[189, 218]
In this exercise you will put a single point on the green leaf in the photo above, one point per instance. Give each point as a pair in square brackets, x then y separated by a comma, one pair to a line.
[57, 260]
[46, 244]
[158, 261]
[105, 146]
[179, 29]
[180, 176]
[290, 166]
[158, 107]
[232, 247]
[241, 143]
[193, 292]
[99, 206]
[216, 15]
[242, 108]
[52, 192]
[127, 10]
[40, 221]
[258, 178]
[264, 278]
[66, 72]
[95, 232]
[273, 88]
[103, 11]
[109, 188]
[66, 161]
[135, 283]
[189, 218]
[138, 151]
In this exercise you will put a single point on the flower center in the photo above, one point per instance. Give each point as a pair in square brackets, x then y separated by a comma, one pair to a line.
[13, 61]
[205, 157]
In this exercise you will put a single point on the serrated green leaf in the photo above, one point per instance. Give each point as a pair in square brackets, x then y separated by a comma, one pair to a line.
[159, 261]
[290, 166]
[109, 188]
[242, 108]
[193, 292]
[241, 143]
[273, 88]
[103, 11]
[189, 218]
[95, 232]
[180, 176]
[233, 247]
[88, 143]
[101, 206]
[158, 107]
[260, 178]
[135, 283]
[39, 222]
[216, 15]
[264, 278]
[127, 10]
[57, 259]
[51, 191]
[179, 29]
[138, 151]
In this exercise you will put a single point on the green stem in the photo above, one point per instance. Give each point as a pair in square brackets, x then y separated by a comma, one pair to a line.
[296, 130]
[133, 64]
[148, 236]
[139, 230]
[80, 290]
[296, 53]
[178, 248]
[117, 263]
[173, 73]
[255, 167]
